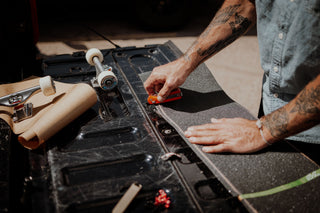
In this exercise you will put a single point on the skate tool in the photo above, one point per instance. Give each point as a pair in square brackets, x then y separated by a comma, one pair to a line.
[18, 99]
[174, 95]
[105, 78]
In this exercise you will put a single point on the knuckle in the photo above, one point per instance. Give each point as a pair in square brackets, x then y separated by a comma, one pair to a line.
[170, 84]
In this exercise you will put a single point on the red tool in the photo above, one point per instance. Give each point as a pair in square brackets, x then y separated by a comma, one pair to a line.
[174, 95]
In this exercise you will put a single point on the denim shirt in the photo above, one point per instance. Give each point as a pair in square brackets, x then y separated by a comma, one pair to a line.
[289, 41]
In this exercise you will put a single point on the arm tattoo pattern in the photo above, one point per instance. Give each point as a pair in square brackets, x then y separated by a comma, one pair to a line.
[225, 14]
[238, 27]
[308, 102]
[277, 123]
[221, 17]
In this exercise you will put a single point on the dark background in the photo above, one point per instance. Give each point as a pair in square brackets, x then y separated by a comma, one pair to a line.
[30, 21]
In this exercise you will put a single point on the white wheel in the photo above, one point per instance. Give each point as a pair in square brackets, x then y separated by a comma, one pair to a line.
[107, 80]
[93, 52]
[47, 86]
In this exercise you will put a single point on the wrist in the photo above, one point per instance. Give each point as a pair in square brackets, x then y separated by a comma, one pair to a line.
[188, 62]
[260, 127]
[264, 132]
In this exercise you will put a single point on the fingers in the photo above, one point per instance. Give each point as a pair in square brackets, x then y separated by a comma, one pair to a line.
[159, 87]
[155, 81]
[216, 149]
[157, 84]
[209, 126]
[162, 91]
[165, 91]
[153, 84]
[166, 78]
[205, 134]
[237, 135]
[212, 143]
[214, 136]
[204, 140]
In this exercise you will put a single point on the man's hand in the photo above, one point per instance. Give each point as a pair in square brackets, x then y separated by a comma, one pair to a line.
[231, 21]
[166, 78]
[236, 135]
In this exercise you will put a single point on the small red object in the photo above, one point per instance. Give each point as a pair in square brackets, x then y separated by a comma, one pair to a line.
[162, 199]
[19, 106]
[174, 95]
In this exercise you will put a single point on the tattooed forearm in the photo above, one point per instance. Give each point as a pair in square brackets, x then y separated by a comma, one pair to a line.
[308, 102]
[207, 53]
[239, 26]
[225, 14]
[301, 113]
[277, 123]
[221, 17]
[229, 23]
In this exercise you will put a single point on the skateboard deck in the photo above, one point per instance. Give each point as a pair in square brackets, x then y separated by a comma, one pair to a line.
[89, 164]
[275, 166]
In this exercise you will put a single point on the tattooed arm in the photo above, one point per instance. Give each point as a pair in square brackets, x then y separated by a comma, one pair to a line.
[302, 113]
[231, 21]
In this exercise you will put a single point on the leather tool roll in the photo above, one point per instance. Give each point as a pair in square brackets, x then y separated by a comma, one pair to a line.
[50, 113]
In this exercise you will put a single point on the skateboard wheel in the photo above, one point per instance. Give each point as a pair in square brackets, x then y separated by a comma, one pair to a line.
[47, 86]
[91, 53]
[107, 80]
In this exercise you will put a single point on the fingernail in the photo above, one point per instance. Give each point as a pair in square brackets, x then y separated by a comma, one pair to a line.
[213, 120]
[187, 133]
[190, 128]
[192, 139]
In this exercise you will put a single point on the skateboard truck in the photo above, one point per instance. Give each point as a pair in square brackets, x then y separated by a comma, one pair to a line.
[174, 95]
[17, 100]
[105, 78]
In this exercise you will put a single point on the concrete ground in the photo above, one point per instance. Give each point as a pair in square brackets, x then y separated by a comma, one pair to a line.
[236, 68]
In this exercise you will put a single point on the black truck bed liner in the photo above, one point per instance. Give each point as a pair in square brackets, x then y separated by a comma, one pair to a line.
[89, 164]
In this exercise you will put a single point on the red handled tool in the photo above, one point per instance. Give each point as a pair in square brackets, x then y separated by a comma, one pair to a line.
[174, 95]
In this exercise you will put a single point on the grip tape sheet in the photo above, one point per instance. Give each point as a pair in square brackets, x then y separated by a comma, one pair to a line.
[203, 99]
